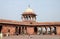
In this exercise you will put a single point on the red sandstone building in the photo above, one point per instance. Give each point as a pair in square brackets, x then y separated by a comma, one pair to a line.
[29, 26]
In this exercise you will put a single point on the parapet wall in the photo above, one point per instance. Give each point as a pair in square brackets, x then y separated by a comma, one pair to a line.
[33, 37]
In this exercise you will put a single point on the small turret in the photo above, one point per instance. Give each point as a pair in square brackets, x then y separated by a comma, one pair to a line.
[29, 15]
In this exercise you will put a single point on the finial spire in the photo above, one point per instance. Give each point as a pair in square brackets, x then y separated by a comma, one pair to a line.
[28, 6]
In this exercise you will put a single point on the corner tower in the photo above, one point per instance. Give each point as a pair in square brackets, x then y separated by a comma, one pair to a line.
[28, 15]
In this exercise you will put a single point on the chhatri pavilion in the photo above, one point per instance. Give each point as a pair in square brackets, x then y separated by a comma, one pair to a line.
[28, 26]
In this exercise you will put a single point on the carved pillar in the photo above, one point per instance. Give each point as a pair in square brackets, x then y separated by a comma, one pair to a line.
[21, 29]
[50, 30]
[25, 30]
[55, 30]
[46, 30]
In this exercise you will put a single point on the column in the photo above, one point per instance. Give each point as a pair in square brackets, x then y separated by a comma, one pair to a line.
[21, 29]
[41, 30]
[55, 30]
[46, 30]
[50, 31]
[31, 18]
[24, 30]
[18, 30]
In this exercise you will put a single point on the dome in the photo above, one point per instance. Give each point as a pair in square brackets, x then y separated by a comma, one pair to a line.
[28, 10]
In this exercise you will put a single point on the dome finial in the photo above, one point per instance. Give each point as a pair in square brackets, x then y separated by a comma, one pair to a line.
[28, 9]
[29, 6]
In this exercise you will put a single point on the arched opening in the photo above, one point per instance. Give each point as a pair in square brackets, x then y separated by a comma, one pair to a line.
[55, 31]
[16, 31]
[0, 28]
[19, 30]
[8, 33]
[39, 30]
[48, 30]
[43, 30]
[35, 29]
[9, 30]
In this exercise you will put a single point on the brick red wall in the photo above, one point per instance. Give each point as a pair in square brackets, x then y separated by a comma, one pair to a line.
[8, 27]
[58, 30]
[30, 30]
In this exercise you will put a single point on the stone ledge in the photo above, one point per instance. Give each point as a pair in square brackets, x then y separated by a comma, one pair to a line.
[33, 37]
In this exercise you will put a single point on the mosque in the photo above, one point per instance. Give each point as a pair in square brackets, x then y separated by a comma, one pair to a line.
[28, 26]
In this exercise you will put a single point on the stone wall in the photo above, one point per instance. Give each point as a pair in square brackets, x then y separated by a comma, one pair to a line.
[30, 30]
[33, 37]
[58, 30]
[10, 29]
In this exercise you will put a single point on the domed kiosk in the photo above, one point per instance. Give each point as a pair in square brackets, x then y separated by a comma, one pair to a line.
[28, 25]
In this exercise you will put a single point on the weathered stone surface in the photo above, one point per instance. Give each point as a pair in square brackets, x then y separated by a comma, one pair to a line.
[33, 37]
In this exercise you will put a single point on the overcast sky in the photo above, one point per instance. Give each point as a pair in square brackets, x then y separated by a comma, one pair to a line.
[46, 10]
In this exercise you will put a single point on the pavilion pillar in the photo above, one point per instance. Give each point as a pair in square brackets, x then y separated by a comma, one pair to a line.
[41, 31]
[50, 31]
[46, 30]
[25, 30]
[21, 29]
[55, 30]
